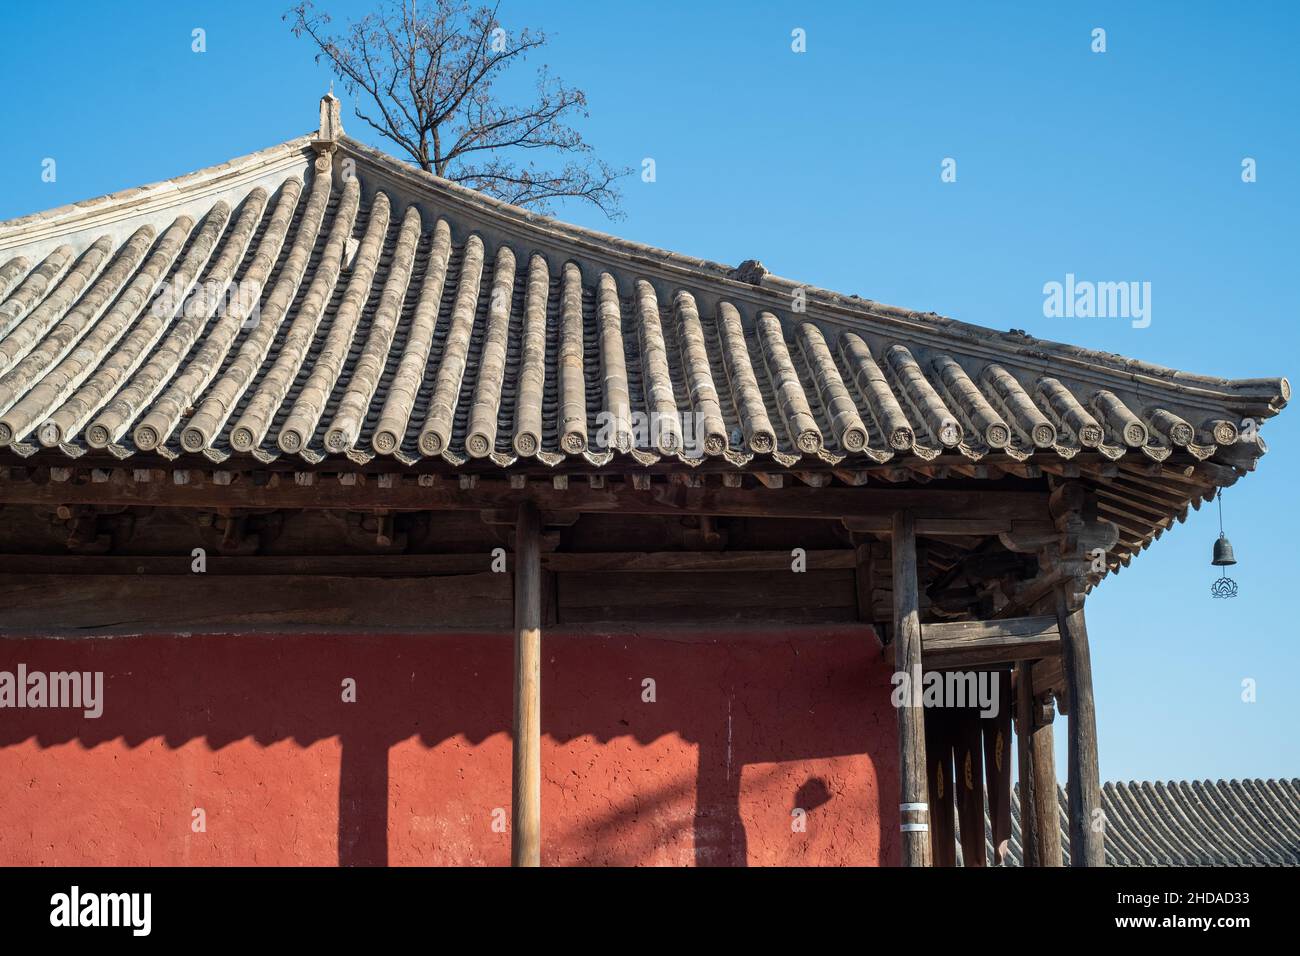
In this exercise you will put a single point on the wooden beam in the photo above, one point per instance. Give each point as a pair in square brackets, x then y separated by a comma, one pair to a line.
[974, 643]
[752, 600]
[47, 604]
[952, 527]
[752, 596]
[526, 781]
[221, 565]
[914, 810]
[1040, 827]
[652, 561]
[832, 503]
[418, 565]
[1087, 825]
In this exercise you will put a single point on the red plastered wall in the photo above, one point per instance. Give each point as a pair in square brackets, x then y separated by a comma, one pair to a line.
[252, 729]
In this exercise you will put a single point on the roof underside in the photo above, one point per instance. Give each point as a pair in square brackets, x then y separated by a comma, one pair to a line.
[285, 306]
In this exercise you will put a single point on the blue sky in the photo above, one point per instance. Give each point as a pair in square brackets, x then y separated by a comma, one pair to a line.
[826, 166]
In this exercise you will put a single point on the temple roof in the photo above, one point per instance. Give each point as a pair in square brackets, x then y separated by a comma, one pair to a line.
[320, 298]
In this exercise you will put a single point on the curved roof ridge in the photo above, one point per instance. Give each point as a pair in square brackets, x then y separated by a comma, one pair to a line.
[98, 212]
[749, 276]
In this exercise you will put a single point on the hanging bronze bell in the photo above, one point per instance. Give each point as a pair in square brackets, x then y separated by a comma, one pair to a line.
[1223, 552]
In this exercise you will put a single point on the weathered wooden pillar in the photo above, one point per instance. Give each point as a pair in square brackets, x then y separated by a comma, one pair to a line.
[914, 800]
[1087, 824]
[526, 780]
[1040, 828]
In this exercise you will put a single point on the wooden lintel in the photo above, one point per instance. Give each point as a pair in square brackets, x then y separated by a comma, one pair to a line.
[418, 565]
[695, 561]
[952, 527]
[977, 643]
[508, 516]
[831, 503]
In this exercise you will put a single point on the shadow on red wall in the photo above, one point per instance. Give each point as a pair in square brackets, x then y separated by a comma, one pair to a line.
[743, 728]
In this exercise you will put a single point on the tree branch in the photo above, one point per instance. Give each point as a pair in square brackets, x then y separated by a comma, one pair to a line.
[429, 70]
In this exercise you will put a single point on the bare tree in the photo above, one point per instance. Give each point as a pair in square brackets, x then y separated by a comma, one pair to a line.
[427, 73]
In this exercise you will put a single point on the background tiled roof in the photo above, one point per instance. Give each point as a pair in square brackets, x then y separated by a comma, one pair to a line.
[1187, 823]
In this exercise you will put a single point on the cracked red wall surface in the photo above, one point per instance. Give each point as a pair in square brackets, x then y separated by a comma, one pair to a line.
[745, 728]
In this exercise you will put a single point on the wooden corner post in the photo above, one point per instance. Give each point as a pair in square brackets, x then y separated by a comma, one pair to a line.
[914, 807]
[1081, 558]
[1087, 821]
[526, 780]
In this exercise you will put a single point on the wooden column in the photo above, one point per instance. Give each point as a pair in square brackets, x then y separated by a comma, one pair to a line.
[526, 781]
[913, 804]
[997, 737]
[940, 782]
[1087, 825]
[968, 787]
[1040, 827]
